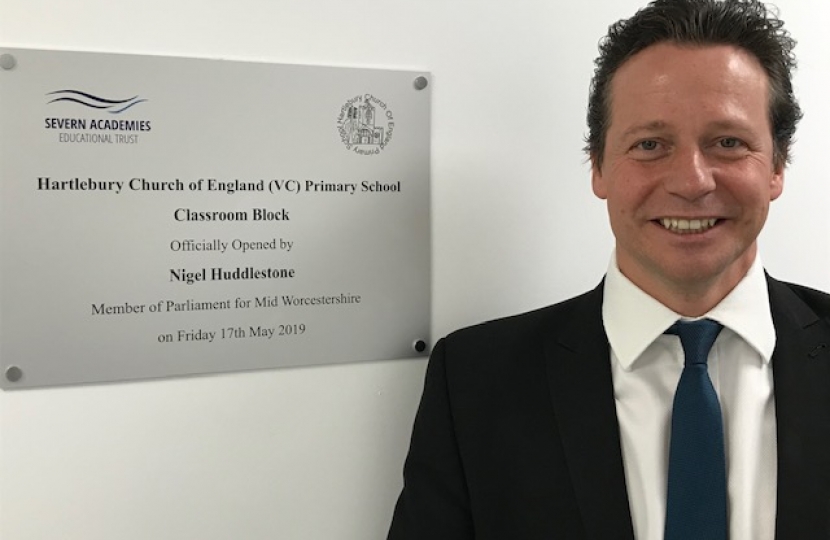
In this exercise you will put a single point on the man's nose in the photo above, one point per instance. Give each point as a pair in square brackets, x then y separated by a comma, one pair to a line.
[691, 176]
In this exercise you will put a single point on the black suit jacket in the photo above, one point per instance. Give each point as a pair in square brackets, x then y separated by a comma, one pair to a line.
[516, 436]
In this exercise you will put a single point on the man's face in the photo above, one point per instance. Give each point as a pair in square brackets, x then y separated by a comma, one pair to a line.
[688, 167]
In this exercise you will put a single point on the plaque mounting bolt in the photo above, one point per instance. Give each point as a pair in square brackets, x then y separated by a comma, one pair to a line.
[420, 83]
[7, 61]
[419, 345]
[14, 373]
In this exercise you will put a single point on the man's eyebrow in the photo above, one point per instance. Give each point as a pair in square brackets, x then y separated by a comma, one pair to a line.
[660, 125]
[656, 125]
[729, 125]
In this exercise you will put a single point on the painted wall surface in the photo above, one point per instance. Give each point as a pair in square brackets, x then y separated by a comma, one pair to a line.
[316, 453]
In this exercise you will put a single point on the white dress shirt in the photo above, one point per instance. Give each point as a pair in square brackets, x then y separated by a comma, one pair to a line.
[646, 366]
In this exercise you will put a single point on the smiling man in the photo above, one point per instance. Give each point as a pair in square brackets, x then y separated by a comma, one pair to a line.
[688, 395]
[688, 170]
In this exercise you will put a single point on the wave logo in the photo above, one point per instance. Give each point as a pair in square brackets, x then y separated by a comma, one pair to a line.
[112, 106]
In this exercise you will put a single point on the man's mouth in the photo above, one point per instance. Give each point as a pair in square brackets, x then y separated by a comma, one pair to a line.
[687, 226]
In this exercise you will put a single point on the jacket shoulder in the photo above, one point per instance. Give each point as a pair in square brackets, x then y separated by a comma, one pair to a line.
[805, 304]
[526, 328]
[819, 301]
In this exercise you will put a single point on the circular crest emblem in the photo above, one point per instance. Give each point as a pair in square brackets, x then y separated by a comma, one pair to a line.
[365, 124]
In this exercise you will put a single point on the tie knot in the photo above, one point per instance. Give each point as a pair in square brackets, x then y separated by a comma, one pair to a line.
[697, 338]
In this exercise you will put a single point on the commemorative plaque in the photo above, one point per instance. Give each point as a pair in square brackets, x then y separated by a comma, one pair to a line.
[169, 216]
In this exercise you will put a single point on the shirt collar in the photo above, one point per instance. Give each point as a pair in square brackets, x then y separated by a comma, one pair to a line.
[633, 319]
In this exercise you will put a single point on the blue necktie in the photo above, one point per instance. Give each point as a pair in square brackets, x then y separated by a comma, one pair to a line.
[696, 497]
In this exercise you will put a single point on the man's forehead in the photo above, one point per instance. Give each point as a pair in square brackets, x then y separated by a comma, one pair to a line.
[654, 66]
[670, 50]
[669, 87]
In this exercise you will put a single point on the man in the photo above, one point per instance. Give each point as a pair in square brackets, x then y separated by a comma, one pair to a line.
[564, 423]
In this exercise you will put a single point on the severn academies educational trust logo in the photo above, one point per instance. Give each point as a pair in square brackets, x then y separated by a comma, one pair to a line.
[112, 106]
[365, 125]
[76, 116]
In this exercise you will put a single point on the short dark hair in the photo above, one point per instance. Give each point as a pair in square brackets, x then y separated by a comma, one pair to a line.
[746, 24]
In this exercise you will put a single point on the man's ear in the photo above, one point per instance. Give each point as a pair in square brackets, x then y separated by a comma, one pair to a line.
[776, 183]
[597, 180]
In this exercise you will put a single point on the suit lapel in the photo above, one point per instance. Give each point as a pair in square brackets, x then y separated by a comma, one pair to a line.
[801, 371]
[579, 372]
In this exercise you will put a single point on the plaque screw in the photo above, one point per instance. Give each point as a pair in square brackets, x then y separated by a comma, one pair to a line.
[14, 373]
[7, 61]
[420, 83]
[419, 346]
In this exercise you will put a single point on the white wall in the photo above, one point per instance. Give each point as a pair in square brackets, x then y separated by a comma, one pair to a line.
[316, 453]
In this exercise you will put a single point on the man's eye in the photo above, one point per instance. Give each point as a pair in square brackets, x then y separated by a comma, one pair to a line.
[729, 142]
[647, 145]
